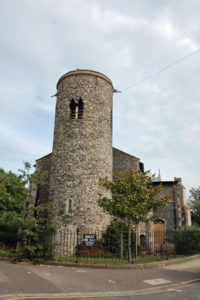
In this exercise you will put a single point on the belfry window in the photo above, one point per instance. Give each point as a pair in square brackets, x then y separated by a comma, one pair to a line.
[72, 109]
[80, 109]
[76, 110]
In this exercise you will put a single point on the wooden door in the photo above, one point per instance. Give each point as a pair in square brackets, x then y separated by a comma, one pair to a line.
[159, 232]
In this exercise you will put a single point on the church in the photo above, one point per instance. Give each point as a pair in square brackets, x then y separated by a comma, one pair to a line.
[82, 153]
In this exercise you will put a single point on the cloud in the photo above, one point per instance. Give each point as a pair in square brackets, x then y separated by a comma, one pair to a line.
[157, 120]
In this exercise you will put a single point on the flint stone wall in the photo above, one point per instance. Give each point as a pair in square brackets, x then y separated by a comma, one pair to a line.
[43, 165]
[82, 148]
[174, 212]
[122, 161]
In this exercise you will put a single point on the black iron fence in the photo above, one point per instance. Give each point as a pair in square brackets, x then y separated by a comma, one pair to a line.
[120, 247]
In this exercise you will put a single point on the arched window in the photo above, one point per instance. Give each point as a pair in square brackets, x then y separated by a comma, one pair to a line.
[143, 241]
[80, 109]
[72, 109]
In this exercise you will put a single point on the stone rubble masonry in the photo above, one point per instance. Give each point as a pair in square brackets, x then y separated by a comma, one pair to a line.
[174, 213]
[123, 161]
[82, 148]
[82, 153]
[43, 165]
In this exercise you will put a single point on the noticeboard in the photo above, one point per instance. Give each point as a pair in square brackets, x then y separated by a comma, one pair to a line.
[89, 240]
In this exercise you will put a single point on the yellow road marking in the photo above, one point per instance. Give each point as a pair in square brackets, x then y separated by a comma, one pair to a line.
[155, 290]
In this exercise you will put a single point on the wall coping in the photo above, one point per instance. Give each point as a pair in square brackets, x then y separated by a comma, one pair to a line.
[85, 72]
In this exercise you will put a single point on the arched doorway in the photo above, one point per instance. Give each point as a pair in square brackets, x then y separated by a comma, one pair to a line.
[159, 231]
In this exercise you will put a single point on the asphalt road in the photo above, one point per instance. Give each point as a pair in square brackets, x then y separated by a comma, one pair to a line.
[185, 293]
[26, 281]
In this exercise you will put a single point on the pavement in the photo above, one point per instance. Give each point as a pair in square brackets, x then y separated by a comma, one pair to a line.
[25, 281]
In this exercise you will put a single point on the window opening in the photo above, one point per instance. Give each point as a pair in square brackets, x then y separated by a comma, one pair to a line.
[73, 109]
[80, 109]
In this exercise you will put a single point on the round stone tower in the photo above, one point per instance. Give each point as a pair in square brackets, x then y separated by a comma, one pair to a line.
[82, 147]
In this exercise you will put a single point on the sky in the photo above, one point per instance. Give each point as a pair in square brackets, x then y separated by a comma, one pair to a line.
[138, 44]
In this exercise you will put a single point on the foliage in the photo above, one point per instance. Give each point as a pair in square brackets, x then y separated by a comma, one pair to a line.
[187, 240]
[194, 202]
[113, 243]
[12, 196]
[93, 251]
[133, 197]
[21, 216]
[115, 239]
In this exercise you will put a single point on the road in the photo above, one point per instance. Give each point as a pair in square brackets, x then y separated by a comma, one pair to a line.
[25, 281]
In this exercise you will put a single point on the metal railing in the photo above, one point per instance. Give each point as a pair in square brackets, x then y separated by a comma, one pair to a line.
[120, 247]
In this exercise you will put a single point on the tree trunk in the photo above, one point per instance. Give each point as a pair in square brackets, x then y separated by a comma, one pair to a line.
[136, 241]
[129, 244]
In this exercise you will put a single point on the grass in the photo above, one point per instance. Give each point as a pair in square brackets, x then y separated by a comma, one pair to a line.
[7, 254]
[92, 260]
[108, 260]
[99, 260]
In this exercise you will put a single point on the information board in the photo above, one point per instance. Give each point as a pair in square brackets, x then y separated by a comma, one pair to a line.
[89, 239]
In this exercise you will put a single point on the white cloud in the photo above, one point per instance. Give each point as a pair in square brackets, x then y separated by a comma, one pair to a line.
[189, 43]
[157, 120]
[166, 29]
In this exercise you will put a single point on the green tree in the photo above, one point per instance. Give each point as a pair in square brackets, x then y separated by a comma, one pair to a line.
[12, 196]
[194, 202]
[115, 239]
[28, 218]
[133, 199]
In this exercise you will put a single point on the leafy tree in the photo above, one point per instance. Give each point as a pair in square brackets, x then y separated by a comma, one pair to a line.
[194, 202]
[12, 197]
[115, 239]
[133, 199]
[20, 211]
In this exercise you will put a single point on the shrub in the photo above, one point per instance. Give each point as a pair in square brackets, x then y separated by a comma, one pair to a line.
[115, 240]
[187, 240]
[93, 251]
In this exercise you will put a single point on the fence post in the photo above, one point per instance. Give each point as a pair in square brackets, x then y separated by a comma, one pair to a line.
[129, 245]
[132, 249]
[77, 245]
[161, 250]
[60, 243]
[167, 250]
[122, 244]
